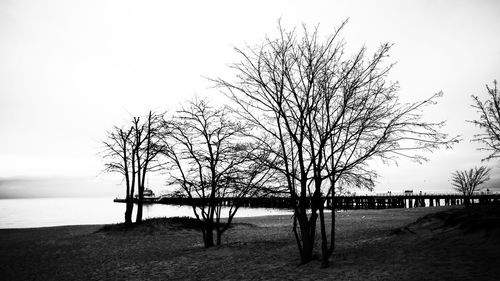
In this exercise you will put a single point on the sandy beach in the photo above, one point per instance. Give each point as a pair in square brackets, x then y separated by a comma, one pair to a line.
[371, 245]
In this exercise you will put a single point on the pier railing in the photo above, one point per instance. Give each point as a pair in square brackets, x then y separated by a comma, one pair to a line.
[345, 201]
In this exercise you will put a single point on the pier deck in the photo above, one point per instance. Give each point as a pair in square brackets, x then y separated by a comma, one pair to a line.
[346, 202]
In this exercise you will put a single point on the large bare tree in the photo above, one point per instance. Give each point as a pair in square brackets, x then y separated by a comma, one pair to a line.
[469, 181]
[489, 121]
[212, 160]
[327, 114]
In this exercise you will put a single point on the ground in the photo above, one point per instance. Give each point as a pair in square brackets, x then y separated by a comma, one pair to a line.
[392, 244]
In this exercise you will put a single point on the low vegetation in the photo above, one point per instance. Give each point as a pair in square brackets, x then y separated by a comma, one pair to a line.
[474, 219]
[159, 225]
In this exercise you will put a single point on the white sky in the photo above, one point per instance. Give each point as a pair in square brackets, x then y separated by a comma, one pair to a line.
[69, 70]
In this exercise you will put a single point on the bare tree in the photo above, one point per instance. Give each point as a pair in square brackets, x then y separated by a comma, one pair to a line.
[148, 146]
[133, 153]
[327, 115]
[489, 121]
[212, 161]
[469, 181]
[121, 159]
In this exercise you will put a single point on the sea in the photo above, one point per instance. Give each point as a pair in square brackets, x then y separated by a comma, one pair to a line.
[45, 212]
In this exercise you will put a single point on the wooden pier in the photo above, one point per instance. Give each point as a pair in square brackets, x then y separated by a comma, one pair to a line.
[410, 201]
[346, 202]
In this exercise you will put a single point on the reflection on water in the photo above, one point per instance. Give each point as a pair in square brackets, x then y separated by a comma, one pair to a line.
[41, 212]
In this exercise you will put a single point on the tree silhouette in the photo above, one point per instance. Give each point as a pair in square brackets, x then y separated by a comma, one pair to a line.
[489, 121]
[469, 181]
[148, 146]
[324, 115]
[120, 155]
[134, 152]
[211, 159]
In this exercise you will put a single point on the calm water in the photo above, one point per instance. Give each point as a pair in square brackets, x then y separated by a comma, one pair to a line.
[41, 212]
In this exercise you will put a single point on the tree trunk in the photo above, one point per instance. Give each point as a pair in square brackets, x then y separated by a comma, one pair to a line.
[332, 227]
[219, 238]
[218, 229]
[325, 255]
[128, 211]
[307, 233]
[140, 203]
[467, 201]
[307, 249]
[128, 215]
[330, 250]
[208, 235]
[140, 191]
[307, 225]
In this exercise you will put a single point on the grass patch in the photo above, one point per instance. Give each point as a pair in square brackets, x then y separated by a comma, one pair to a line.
[160, 225]
[153, 225]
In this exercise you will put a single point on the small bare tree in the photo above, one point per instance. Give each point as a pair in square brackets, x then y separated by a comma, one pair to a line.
[469, 181]
[118, 150]
[489, 121]
[211, 160]
[148, 146]
[133, 153]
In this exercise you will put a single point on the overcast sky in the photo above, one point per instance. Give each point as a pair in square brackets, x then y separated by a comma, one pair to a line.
[69, 70]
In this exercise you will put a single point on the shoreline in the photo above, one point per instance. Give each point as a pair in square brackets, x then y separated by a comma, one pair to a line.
[32, 213]
[238, 218]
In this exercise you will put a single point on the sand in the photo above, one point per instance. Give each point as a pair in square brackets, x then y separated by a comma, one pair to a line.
[372, 245]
